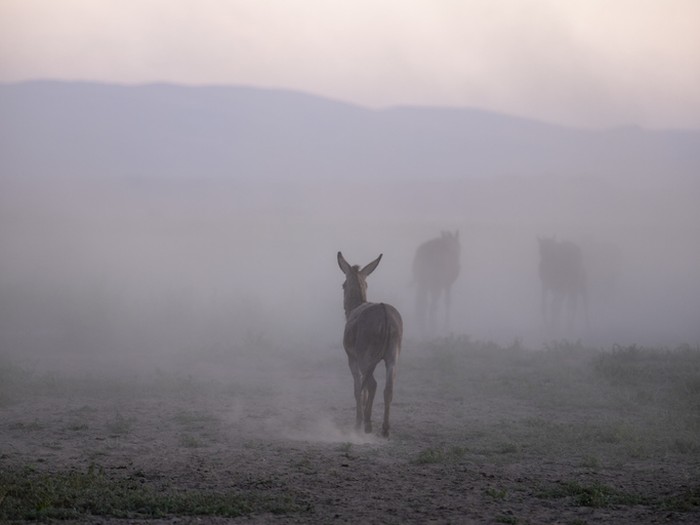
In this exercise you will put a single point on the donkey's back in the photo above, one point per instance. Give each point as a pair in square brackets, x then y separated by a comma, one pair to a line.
[373, 333]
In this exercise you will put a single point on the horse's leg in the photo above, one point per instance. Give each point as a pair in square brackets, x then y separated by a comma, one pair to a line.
[584, 300]
[421, 305]
[432, 310]
[357, 381]
[388, 395]
[557, 301]
[371, 388]
[572, 307]
[448, 304]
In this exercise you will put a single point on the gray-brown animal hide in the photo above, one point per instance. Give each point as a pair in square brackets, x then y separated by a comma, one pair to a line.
[373, 332]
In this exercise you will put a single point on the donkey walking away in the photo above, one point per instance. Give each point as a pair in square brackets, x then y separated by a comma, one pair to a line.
[373, 333]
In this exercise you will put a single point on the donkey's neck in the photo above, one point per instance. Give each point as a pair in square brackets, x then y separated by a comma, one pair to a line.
[352, 301]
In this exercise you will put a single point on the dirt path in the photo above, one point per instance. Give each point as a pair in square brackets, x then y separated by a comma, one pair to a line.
[479, 435]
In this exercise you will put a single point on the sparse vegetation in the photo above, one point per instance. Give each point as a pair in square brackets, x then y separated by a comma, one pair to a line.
[669, 376]
[27, 494]
[189, 441]
[346, 450]
[26, 426]
[193, 420]
[440, 455]
[78, 427]
[592, 495]
[490, 419]
[591, 462]
[497, 493]
[686, 501]
[596, 494]
[507, 448]
[430, 455]
[119, 425]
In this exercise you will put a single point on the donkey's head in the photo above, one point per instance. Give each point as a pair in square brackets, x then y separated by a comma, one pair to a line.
[355, 285]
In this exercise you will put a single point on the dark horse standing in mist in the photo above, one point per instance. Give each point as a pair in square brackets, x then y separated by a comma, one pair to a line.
[563, 279]
[435, 269]
[373, 333]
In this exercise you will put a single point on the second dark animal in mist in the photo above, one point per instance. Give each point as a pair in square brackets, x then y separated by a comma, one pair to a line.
[563, 279]
[435, 269]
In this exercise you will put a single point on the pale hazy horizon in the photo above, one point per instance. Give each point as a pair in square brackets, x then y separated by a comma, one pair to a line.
[580, 63]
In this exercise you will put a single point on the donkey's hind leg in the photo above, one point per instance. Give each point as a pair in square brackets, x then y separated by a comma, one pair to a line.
[371, 386]
[357, 383]
[388, 395]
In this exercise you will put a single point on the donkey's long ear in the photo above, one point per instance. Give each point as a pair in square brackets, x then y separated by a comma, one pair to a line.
[371, 266]
[343, 263]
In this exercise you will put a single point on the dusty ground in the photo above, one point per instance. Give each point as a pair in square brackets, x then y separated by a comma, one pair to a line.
[480, 434]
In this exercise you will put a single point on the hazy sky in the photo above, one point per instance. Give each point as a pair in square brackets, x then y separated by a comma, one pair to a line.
[591, 62]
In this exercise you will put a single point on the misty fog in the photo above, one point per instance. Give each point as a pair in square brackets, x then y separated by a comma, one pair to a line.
[113, 266]
[122, 269]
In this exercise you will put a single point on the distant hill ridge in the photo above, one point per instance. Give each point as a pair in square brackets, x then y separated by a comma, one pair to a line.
[163, 130]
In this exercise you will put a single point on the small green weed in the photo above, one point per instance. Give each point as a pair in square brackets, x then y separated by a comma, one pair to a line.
[507, 448]
[430, 455]
[191, 419]
[591, 462]
[31, 426]
[684, 502]
[345, 449]
[440, 455]
[120, 425]
[78, 427]
[189, 441]
[497, 494]
[685, 446]
[564, 346]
